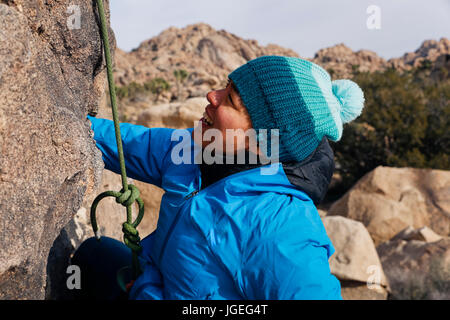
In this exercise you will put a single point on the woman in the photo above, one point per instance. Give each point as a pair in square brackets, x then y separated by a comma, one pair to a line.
[231, 231]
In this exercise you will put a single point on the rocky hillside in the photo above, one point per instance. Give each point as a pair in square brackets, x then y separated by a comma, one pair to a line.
[430, 50]
[50, 77]
[206, 54]
[209, 55]
[341, 61]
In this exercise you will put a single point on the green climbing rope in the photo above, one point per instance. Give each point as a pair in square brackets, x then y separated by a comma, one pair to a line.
[129, 193]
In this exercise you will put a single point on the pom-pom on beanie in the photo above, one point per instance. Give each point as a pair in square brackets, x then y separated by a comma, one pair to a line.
[298, 98]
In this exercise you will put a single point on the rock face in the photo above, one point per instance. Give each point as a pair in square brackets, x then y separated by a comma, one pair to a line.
[355, 262]
[50, 77]
[417, 269]
[387, 200]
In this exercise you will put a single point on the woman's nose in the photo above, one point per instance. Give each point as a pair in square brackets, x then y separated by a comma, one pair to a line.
[215, 97]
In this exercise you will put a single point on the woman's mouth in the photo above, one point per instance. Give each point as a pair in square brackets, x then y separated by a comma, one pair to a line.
[206, 119]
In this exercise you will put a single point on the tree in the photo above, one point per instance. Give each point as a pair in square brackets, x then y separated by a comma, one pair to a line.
[180, 77]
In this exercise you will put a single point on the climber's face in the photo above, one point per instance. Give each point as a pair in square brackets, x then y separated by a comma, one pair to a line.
[225, 112]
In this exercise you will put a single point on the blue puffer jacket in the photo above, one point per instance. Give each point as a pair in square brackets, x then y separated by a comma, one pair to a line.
[246, 236]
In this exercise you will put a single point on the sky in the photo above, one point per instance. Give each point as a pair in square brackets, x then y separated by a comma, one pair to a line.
[305, 26]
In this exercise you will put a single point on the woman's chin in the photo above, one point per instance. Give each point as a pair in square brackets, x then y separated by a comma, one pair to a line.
[198, 134]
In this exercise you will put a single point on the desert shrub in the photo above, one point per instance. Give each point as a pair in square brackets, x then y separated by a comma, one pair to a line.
[135, 91]
[180, 77]
[157, 86]
[131, 91]
[404, 124]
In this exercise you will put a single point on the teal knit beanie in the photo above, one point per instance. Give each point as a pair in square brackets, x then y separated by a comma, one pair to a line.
[297, 97]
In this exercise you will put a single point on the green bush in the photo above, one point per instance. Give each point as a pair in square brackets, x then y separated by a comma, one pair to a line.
[404, 123]
[131, 91]
[157, 86]
[180, 77]
[135, 90]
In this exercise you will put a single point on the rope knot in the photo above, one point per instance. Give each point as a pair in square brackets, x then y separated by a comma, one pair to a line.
[131, 237]
[128, 197]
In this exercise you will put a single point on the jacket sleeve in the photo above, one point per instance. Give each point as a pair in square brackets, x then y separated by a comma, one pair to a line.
[295, 271]
[145, 149]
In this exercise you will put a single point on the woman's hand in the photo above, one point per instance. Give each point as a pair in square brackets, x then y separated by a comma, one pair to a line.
[129, 285]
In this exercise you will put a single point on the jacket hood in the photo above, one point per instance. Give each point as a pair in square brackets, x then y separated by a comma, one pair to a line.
[312, 175]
